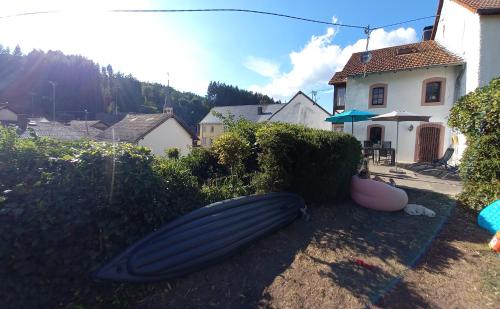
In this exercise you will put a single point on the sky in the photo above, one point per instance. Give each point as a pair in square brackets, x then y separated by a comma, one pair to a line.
[272, 55]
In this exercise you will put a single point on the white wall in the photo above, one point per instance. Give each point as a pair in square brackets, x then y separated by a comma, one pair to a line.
[489, 66]
[7, 115]
[303, 111]
[404, 93]
[167, 135]
[459, 31]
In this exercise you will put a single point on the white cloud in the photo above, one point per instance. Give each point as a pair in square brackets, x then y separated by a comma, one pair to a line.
[262, 67]
[320, 58]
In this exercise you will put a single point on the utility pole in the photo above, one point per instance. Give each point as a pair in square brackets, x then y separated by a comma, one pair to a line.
[32, 103]
[167, 92]
[86, 124]
[54, 84]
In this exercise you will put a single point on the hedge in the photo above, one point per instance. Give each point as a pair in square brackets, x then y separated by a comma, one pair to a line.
[316, 164]
[477, 116]
[65, 211]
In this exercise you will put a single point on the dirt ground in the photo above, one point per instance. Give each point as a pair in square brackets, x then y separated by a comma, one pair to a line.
[312, 264]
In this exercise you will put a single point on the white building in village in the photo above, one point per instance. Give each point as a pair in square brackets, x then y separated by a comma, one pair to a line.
[299, 110]
[155, 131]
[458, 54]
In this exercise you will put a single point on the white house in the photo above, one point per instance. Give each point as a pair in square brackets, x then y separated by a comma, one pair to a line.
[299, 110]
[7, 114]
[156, 131]
[425, 78]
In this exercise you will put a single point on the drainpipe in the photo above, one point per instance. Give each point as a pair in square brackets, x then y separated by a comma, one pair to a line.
[458, 80]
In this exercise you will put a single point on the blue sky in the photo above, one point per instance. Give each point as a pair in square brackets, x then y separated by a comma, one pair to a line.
[272, 55]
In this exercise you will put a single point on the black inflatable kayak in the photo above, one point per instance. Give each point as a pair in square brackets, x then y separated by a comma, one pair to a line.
[202, 237]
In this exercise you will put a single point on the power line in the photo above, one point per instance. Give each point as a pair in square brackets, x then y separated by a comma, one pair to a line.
[225, 10]
[404, 22]
[196, 10]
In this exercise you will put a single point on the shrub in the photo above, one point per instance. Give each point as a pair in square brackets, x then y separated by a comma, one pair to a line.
[477, 116]
[232, 150]
[316, 164]
[172, 153]
[75, 211]
[202, 163]
[480, 170]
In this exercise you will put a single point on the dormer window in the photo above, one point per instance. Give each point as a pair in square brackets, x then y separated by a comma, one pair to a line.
[406, 50]
[378, 96]
[433, 91]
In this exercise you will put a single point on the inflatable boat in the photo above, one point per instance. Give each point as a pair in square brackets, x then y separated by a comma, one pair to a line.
[203, 237]
[377, 195]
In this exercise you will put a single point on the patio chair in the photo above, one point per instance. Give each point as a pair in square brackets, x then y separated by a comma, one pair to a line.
[367, 149]
[443, 161]
[385, 151]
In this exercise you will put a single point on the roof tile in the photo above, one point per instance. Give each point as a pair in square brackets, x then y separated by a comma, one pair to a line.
[403, 57]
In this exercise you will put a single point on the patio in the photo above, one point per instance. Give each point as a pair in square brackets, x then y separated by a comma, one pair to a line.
[313, 263]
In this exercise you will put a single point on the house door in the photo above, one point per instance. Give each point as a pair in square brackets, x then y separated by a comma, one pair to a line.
[429, 143]
[375, 135]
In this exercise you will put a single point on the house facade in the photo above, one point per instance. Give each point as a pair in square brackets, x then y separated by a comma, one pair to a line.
[155, 131]
[299, 110]
[424, 78]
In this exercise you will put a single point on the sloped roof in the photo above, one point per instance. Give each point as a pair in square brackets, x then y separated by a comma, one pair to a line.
[248, 112]
[82, 125]
[53, 130]
[133, 127]
[403, 57]
[481, 6]
[293, 98]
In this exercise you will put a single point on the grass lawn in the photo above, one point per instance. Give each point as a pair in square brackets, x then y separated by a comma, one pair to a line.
[312, 264]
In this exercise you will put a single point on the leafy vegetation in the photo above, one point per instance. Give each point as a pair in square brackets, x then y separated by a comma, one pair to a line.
[477, 116]
[316, 164]
[68, 207]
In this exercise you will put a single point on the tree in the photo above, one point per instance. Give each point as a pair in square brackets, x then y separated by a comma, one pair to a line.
[17, 51]
[220, 94]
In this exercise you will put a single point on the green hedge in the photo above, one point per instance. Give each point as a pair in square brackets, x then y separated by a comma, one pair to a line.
[316, 164]
[477, 116]
[65, 211]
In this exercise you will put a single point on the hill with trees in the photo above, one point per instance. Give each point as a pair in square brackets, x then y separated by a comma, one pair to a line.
[82, 84]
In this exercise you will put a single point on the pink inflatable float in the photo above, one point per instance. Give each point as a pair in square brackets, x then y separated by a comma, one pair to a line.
[377, 195]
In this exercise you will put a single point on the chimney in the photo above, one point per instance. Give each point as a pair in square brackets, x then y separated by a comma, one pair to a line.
[426, 33]
[259, 110]
[168, 110]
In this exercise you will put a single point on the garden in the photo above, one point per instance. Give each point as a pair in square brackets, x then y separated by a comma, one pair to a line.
[68, 207]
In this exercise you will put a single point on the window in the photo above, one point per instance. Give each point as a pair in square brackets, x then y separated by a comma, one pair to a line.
[433, 91]
[212, 129]
[339, 97]
[378, 95]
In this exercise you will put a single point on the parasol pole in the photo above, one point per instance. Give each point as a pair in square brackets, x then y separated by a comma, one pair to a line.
[352, 125]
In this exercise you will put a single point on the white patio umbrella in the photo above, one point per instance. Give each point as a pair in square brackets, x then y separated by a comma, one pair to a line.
[399, 117]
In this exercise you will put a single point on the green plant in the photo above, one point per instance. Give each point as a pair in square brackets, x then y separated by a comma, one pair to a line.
[477, 116]
[172, 153]
[76, 207]
[232, 150]
[316, 164]
[203, 164]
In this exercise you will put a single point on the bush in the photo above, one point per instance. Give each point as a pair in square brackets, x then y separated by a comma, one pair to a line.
[232, 150]
[316, 164]
[172, 153]
[202, 163]
[477, 116]
[74, 211]
[480, 170]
